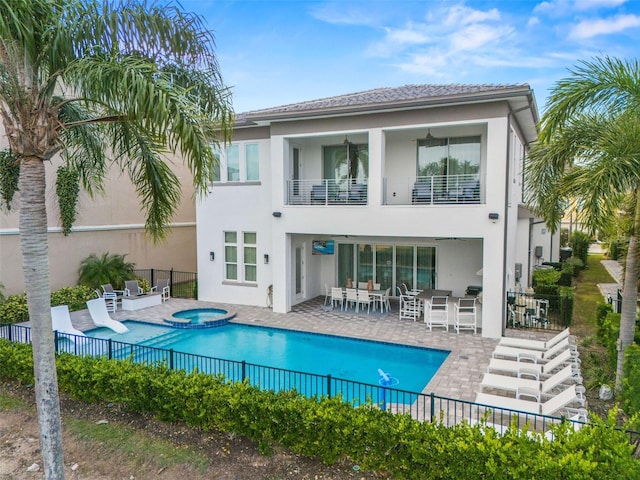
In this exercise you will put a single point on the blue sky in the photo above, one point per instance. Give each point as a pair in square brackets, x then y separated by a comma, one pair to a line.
[278, 52]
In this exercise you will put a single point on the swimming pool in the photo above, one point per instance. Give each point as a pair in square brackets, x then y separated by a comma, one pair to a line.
[340, 357]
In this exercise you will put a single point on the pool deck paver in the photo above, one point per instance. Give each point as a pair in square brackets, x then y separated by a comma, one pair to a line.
[458, 378]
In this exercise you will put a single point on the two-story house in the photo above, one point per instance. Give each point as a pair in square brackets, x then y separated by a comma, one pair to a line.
[420, 184]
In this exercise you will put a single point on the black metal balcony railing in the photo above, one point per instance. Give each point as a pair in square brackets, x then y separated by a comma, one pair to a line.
[421, 406]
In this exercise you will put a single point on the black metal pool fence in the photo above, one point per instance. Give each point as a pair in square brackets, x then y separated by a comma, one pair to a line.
[420, 406]
[181, 284]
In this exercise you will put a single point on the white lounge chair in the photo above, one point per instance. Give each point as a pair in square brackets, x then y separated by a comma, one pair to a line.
[535, 356]
[525, 386]
[534, 370]
[100, 316]
[534, 344]
[61, 322]
[553, 406]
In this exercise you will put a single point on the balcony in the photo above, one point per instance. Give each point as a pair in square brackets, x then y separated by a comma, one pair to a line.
[326, 192]
[432, 190]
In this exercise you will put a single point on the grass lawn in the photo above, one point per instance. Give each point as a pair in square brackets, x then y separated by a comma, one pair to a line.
[588, 295]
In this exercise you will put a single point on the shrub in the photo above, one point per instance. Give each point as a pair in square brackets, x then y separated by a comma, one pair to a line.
[15, 310]
[579, 243]
[113, 269]
[574, 264]
[332, 430]
[545, 277]
[602, 310]
[608, 333]
[617, 248]
[566, 305]
[631, 380]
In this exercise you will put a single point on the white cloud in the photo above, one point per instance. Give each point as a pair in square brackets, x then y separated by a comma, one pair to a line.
[407, 36]
[592, 28]
[558, 8]
[462, 15]
[475, 37]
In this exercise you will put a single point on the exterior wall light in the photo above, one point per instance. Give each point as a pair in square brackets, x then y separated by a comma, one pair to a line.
[266, 259]
[212, 256]
[277, 214]
[493, 216]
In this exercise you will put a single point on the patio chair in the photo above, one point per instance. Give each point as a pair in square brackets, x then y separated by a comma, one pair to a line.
[421, 193]
[533, 370]
[111, 299]
[437, 313]
[327, 294]
[162, 287]
[465, 315]
[358, 193]
[362, 285]
[551, 407]
[409, 307]
[100, 316]
[61, 323]
[337, 297]
[365, 299]
[351, 299]
[131, 288]
[107, 288]
[534, 344]
[527, 387]
[535, 356]
[385, 300]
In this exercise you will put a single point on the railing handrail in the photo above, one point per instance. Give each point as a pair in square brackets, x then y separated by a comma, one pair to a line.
[108, 346]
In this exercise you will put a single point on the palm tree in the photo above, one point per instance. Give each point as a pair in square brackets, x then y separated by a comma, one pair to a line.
[589, 151]
[81, 78]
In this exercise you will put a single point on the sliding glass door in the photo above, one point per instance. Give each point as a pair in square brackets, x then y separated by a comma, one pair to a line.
[387, 264]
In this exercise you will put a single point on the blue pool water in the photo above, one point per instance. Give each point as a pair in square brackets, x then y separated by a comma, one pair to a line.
[345, 358]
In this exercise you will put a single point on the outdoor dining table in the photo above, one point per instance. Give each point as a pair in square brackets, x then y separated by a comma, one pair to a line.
[372, 293]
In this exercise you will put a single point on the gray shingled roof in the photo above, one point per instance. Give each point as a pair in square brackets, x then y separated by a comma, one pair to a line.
[381, 97]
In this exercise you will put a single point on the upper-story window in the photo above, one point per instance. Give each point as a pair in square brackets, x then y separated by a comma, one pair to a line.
[346, 163]
[449, 156]
[240, 162]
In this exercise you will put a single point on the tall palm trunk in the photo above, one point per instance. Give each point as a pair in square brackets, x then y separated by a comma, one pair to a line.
[34, 244]
[629, 297]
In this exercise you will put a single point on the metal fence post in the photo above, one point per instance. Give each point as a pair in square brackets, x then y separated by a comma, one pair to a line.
[171, 359]
[243, 370]
[110, 349]
[171, 281]
[433, 406]
[55, 340]
[329, 385]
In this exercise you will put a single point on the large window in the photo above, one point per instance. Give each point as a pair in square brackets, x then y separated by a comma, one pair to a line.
[251, 162]
[240, 256]
[239, 162]
[346, 163]
[449, 156]
[388, 265]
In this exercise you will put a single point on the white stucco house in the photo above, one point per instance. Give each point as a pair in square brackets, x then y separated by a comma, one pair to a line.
[419, 184]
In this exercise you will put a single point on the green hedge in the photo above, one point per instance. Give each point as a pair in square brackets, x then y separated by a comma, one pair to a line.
[330, 429]
[14, 308]
[631, 381]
